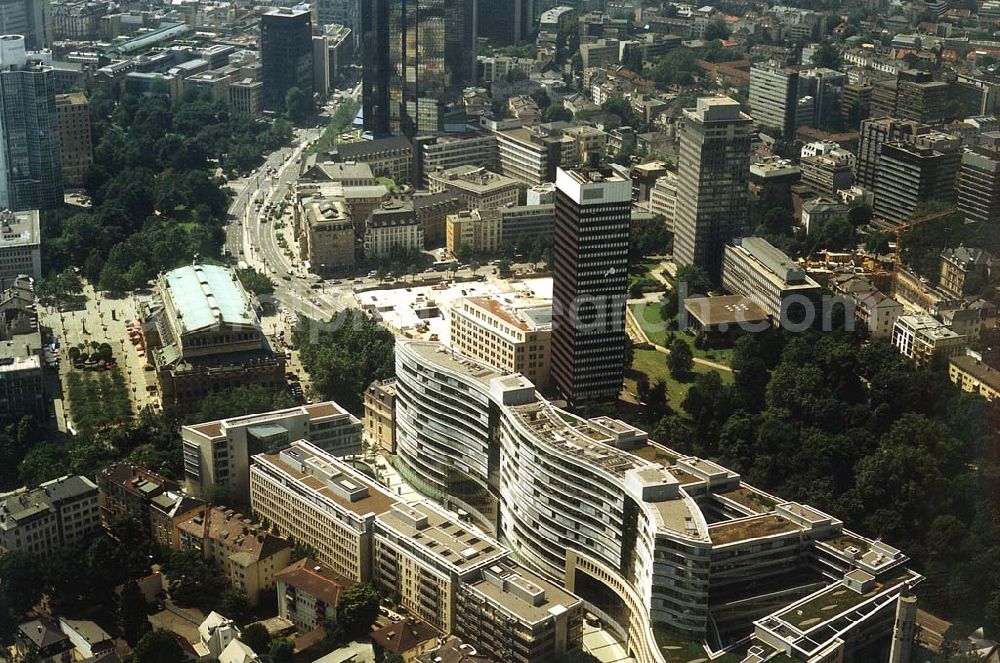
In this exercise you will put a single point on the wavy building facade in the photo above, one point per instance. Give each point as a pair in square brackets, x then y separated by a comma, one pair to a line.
[668, 550]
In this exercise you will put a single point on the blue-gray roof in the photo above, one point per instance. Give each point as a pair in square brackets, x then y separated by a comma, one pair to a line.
[208, 295]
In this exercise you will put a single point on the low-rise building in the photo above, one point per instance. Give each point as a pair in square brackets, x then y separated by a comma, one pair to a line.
[473, 230]
[20, 353]
[975, 376]
[323, 503]
[308, 594]
[20, 246]
[432, 210]
[58, 513]
[510, 336]
[248, 556]
[478, 188]
[520, 224]
[663, 198]
[348, 173]
[922, 337]
[752, 267]
[380, 415]
[153, 500]
[817, 211]
[407, 638]
[217, 453]
[203, 334]
[965, 270]
[872, 308]
[43, 640]
[445, 152]
[388, 157]
[393, 228]
[329, 235]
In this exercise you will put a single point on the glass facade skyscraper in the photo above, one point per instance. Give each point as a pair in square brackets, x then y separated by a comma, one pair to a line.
[286, 55]
[418, 55]
[30, 165]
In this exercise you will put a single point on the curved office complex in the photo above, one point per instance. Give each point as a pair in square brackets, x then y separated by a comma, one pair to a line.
[654, 541]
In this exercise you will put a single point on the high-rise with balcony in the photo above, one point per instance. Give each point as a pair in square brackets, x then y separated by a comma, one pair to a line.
[286, 55]
[774, 96]
[712, 182]
[30, 165]
[416, 55]
[589, 282]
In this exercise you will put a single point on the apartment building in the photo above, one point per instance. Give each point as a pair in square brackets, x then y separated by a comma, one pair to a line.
[217, 453]
[380, 415]
[247, 555]
[473, 230]
[432, 210]
[774, 97]
[966, 269]
[683, 549]
[663, 198]
[393, 227]
[323, 503]
[154, 501]
[77, 150]
[308, 594]
[872, 308]
[512, 336]
[922, 337]
[476, 187]
[20, 246]
[975, 376]
[64, 512]
[518, 615]
[752, 267]
[246, 96]
[421, 554]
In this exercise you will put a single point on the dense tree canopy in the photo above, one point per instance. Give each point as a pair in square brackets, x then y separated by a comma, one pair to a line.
[158, 199]
[345, 355]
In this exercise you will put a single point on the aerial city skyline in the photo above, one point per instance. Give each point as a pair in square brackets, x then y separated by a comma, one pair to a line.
[499, 331]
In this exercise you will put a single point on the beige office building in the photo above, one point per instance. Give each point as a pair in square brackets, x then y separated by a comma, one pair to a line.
[329, 235]
[323, 503]
[380, 415]
[474, 230]
[477, 187]
[515, 338]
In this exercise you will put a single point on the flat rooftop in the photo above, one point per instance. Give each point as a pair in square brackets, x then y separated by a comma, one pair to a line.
[725, 309]
[754, 527]
[442, 536]
[376, 501]
[523, 594]
[19, 228]
[315, 411]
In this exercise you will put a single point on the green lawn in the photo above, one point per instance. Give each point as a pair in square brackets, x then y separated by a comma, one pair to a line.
[678, 650]
[654, 365]
[648, 317]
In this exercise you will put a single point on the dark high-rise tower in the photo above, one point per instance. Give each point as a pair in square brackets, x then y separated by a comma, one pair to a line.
[30, 164]
[713, 169]
[418, 54]
[286, 55]
[506, 21]
[590, 279]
